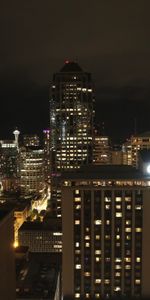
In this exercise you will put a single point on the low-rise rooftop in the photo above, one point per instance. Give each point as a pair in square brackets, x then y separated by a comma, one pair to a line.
[120, 172]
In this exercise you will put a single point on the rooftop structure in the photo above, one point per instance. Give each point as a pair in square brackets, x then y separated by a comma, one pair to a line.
[41, 236]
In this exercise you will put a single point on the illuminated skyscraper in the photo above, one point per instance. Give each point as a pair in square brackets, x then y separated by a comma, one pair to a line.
[71, 118]
[9, 172]
[31, 169]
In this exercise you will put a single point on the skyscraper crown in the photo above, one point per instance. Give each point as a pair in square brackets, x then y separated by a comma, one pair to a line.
[71, 66]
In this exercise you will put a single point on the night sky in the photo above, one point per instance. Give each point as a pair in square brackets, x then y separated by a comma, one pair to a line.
[110, 39]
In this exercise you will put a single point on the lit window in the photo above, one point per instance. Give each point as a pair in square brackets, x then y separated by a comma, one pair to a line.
[138, 207]
[77, 251]
[97, 259]
[117, 237]
[107, 199]
[118, 259]
[78, 207]
[77, 199]
[127, 259]
[107, 281]
[128, 207]
[118, 214]
[87, 245]
[118, 199]
[78, 266]
[97, 251]
[77, 244]
[87, 295]
[107, 206]
[97, 237]
[108, 222]
[87, 274]
[77, 295]
[117, 274]
[128, 222]
[118, 267]
[107, 259]
[118, 206]
[97, 280]
[138, 229]
[97, 295]
[127, 199]
[128, 267]
[77, 222]
[107, 237]
[98, 222]
[138, 259]
[137, 281]
[87, 237]
[87, 229]
[128, 229]
[117, 289]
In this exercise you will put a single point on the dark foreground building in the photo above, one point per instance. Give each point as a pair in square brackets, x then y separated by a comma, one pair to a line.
[7, 260]
[38, 277]
[106, 240]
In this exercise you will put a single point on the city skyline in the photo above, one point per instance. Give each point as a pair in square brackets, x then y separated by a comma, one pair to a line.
[111, 41]
[110, 119]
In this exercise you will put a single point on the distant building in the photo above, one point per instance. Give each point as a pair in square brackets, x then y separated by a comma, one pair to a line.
[31, 169]
[131, 148]
[71, 123]
[9, 165]
[41, 236]
[30, 140]
[7, 259]
[117, 155]
[106, 241]
[101, 150]
[71, 117]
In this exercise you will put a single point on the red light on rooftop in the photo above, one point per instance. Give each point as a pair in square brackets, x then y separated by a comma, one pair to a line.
[66, 61]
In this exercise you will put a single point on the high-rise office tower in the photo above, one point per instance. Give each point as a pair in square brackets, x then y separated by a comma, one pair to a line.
[71, 123]
[101, 150]
[9, 173]
[132, 147]
[31, 169]
[106, 241]
[71, 117]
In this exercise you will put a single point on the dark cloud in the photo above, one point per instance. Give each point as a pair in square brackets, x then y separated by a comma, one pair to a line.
[110, 39]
